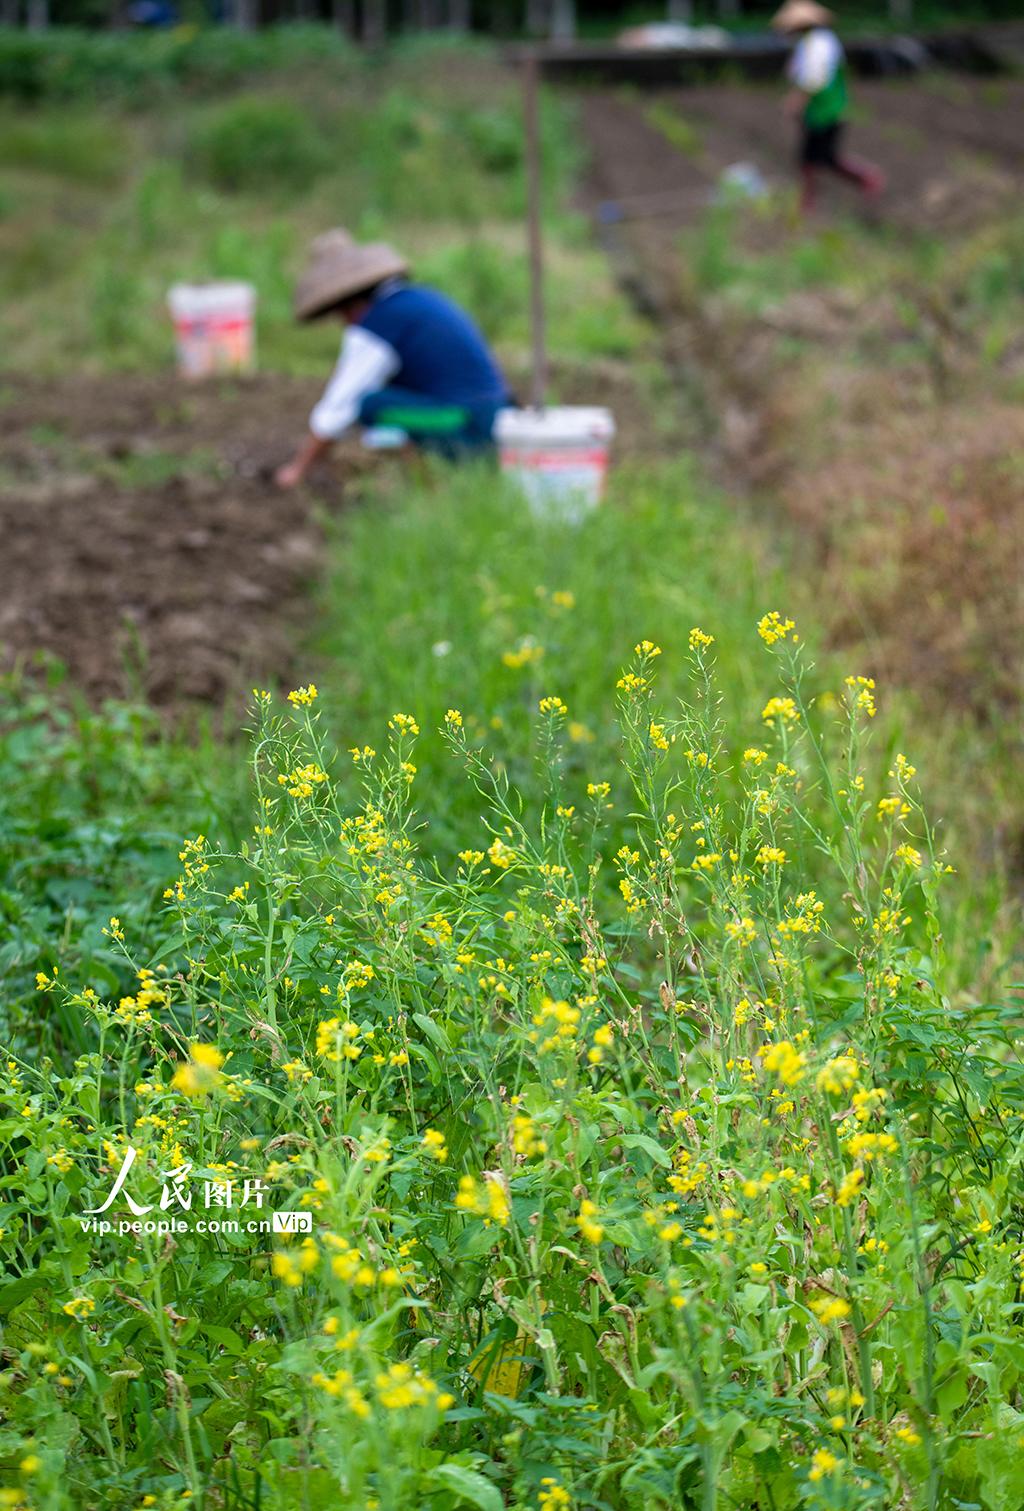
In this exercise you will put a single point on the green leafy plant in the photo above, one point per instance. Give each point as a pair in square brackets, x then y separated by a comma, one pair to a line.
[254, 144]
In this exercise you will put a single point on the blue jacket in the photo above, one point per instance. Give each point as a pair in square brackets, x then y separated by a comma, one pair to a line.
[442, 353]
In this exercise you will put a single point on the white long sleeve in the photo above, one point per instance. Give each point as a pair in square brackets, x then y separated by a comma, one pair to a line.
[365, 365]
[814, 63]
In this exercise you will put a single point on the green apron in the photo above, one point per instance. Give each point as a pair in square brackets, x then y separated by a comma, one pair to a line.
[828, 106]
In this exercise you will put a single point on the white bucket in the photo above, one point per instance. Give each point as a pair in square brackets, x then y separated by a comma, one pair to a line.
[213, 327]
[559, 456]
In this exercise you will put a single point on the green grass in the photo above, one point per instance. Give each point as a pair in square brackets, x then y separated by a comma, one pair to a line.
[236, 187]
[592, 1074]
[613, 1011]
[92, 801]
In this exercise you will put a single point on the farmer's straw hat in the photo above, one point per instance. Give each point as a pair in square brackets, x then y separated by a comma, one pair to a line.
[338, 268]
[798, 15]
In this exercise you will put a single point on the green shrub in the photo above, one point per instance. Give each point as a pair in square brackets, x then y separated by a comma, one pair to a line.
[69, 64]
[487, 279]
[88, 149]
[252, 144]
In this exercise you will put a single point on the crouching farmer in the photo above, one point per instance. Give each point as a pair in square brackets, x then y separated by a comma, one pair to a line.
[410, 359]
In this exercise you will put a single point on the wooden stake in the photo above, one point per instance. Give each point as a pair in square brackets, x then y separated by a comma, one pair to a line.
[538, 352]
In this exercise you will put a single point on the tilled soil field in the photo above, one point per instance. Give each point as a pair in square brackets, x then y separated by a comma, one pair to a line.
[949, 145]
[894, 460]
[144, 544]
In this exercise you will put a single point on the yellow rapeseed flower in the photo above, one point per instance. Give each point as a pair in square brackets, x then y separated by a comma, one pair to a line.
[201, 1072]
[772, 627]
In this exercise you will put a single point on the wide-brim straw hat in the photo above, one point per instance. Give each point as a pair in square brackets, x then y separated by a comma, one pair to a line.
[339, 267]
[798, 15]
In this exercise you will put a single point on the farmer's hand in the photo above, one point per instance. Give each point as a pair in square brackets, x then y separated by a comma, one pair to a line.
[290, 475]
[312, 449]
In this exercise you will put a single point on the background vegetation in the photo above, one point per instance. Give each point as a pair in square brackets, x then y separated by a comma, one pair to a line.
[661, 1142]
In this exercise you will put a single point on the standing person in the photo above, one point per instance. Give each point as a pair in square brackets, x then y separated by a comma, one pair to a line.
[410, 360]
[817, 71]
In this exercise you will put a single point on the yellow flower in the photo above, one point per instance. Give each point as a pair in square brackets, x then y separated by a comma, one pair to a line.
[201, 1073]
[892, 807]
[849, 1187]
[80, 1307]
[771, 855]
[500, 854]
[780, 708]
[552, 1496]
[591, 1230]
[302, 697]
[434, 1144]
[830, 1309]
[862, 690]
[838, 1075]
[491, 1202]
[453, 719]
[784, 1061]
[648, 649]
[527, 653]
[870, 1146]
[823, 1463]
[908, 855]
[302, 781]
[554, 706]
[742, 930]
[773, 627]
[908, 1435]
[524, 1137]
[699, 641]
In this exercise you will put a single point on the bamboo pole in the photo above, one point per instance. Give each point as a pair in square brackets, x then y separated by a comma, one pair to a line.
[538, 351]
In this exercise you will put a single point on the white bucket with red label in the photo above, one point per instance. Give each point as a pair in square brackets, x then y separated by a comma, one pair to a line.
[213, 327]
[558, 456]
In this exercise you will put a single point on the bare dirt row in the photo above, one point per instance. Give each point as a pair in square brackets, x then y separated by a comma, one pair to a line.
[144, 545]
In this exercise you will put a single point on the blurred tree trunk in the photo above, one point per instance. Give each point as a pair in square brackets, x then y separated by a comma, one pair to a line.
[538, 14]
[563, 20]
[343, 14]
[680, 10]
[901, 11]
[460, 17]
[421, 15]
[37, 16]
[728, 8]
[375, 22]
[244, 14]
[8, 12]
